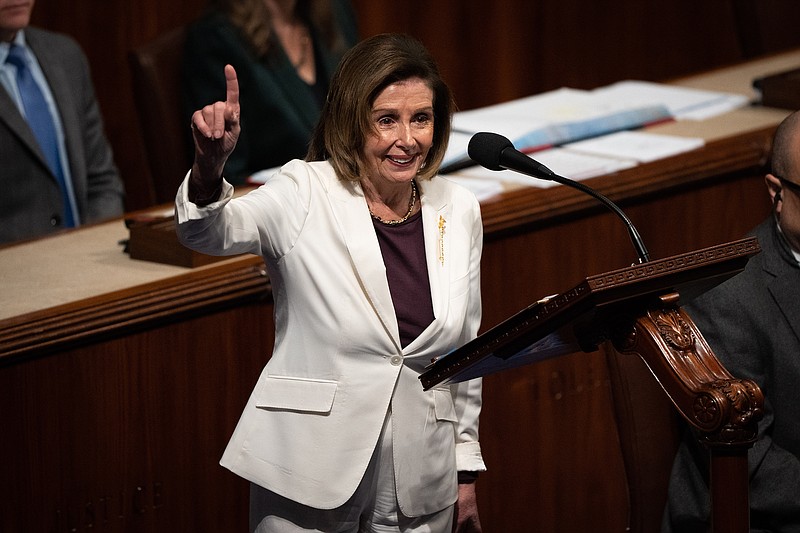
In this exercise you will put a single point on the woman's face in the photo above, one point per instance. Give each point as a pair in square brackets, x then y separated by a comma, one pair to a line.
[402, 132]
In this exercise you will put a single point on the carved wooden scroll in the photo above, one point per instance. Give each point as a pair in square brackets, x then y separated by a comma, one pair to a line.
[723, 410]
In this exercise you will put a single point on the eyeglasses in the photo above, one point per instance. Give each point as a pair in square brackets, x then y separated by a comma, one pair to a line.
[795, 187]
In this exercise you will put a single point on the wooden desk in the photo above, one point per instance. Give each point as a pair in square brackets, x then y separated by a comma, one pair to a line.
[121, 380]
[120, 383]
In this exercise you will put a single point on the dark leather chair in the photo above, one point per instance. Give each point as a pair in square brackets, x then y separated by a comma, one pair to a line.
[156, 75]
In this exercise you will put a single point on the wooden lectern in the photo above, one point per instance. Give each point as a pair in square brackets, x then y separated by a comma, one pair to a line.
[636, 311]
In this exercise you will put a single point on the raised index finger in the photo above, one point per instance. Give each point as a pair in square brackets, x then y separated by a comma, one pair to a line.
[231, 87]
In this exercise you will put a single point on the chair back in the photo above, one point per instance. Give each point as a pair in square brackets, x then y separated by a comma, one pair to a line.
[156, 74]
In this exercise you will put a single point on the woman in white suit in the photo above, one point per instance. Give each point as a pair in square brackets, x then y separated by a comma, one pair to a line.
[375, 270]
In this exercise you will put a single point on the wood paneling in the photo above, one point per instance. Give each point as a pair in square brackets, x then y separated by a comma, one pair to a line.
[491, 52]
[115, 415]
[488, 51]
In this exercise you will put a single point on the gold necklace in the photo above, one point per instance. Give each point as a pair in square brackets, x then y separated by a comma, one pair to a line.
[411, 204]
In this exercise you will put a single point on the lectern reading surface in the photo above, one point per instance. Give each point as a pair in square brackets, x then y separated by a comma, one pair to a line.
[572, 321]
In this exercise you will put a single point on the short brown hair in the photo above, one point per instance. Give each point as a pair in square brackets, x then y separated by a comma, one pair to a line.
[365, 70]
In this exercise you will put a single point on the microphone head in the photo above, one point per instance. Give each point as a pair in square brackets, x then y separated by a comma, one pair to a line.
[485, 149]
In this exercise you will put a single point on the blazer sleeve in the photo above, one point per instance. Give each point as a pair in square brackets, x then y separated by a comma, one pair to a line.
[467, 395]
[265, 221]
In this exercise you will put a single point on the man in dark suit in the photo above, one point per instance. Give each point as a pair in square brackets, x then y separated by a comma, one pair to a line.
[752, 322]
[69, 178]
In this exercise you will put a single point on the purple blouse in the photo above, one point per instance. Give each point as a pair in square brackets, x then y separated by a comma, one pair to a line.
[403, 249]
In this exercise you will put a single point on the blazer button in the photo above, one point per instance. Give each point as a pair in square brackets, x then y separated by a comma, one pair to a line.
[55, 221]
[396, 360]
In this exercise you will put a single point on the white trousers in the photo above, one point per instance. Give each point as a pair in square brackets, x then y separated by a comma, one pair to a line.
[372, 508]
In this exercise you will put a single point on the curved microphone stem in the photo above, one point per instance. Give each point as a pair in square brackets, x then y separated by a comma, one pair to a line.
[513, 159]
[496, 152]
[636, 239]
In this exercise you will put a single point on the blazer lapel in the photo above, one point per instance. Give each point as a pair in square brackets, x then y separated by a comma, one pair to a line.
[784, 285]
[353, 217]
[56, 73]
[784, 290]
[435, 219]
[11, 116]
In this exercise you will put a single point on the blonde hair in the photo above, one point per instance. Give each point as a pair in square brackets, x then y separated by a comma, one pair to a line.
[365, 70]
[253, 20]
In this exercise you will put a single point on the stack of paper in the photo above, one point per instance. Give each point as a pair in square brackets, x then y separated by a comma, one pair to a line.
[683, 103]
[582, 134]
[581, 160]
[564, 116]
[550, 119]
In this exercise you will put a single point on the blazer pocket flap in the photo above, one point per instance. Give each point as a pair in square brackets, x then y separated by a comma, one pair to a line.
[443, 404]
[296, 394]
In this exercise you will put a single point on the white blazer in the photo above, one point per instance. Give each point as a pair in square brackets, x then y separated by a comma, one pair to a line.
[313, 420]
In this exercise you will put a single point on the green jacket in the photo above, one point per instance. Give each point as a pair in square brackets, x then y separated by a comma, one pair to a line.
[279, 110]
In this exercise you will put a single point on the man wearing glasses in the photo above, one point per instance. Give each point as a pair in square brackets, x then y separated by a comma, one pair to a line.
[752, 322]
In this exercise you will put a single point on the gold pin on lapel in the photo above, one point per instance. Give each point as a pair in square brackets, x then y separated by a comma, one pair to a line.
[442, 224]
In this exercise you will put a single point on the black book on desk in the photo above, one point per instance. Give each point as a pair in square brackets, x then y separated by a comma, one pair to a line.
[780, 90]
[578, 319]
[153, 238]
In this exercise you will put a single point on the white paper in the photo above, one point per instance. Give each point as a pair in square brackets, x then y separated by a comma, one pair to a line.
[636, 145]
[683, 103]
[572, 165]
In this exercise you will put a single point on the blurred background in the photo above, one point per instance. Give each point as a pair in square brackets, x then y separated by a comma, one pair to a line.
[489, 52]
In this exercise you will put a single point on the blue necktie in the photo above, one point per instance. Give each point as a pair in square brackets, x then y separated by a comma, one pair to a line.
[41, 122]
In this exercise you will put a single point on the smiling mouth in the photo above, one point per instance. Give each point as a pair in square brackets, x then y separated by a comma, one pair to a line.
[400, 160]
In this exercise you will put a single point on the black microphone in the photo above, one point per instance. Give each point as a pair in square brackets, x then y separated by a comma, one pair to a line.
[495, 152]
